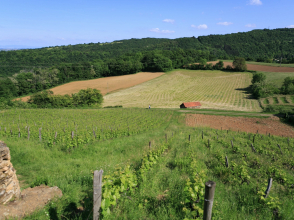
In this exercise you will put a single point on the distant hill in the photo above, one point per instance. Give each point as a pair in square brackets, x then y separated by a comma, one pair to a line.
[32, 70]
[253, 45]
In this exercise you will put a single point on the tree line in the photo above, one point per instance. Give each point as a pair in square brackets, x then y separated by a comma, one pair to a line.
[37, 79]
[28, 71]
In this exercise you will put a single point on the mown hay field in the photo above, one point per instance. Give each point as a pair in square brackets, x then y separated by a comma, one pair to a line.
[105, 85]
[214, 89]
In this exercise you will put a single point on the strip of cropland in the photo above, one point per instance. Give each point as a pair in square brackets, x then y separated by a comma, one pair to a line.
[214, 89]
[105, 85]
[264, 68]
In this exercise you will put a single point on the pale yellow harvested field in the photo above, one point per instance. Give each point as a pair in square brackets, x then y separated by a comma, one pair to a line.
[105, 85]
[214, 89]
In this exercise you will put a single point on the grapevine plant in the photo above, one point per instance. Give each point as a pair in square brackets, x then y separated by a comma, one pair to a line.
[124, 181]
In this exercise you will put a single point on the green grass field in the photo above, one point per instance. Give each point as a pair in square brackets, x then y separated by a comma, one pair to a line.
[214, 89]
[167, 180]
[264, 64]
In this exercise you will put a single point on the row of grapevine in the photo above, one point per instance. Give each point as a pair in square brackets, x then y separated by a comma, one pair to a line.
[71, 128]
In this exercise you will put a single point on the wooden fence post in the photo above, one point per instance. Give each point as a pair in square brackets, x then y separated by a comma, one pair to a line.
[18, 132]
[232, 144]
[208, 199]
[149, 145]
[55, 135]
[227, 162]
[28, 133]
[72, 135]
[97, 193]
[269, 186]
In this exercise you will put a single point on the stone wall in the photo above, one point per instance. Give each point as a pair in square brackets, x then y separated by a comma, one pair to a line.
[9, 185]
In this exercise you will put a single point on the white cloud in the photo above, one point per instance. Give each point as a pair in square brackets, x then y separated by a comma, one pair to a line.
[169, 21]
[255, 2]
[157, 30]
[201, 26]
[224, 23]
[291, 26]
[250, 25]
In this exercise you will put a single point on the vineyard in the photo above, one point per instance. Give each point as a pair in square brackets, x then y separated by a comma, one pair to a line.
[214, 89]
[278, 100]
[67, 129]
[154, 165]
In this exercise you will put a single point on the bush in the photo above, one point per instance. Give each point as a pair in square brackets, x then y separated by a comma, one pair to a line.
[209, 66]
[228, 67]
[258, 78]
[239, 64]
[46, 99]
[263, 90]
[219, 65]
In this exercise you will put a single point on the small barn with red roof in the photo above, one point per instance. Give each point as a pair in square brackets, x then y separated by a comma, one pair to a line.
[190, 105]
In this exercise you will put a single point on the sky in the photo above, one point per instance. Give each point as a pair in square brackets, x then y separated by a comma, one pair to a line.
[43, 23]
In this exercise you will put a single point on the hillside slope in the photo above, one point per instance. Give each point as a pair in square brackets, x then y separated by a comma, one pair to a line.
[214, 89]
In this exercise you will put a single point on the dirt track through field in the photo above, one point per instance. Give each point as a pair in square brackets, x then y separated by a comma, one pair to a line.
[263, 68]
[105, 85]
[262, 125]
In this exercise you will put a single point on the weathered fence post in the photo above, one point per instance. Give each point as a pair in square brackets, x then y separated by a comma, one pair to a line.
[94, 133]
[55, 135]
[149, 145]
[269, 186]
[232, 144]
[18, 132]
[227, 162]
[208, 199]
[97, 193]
[72, 135]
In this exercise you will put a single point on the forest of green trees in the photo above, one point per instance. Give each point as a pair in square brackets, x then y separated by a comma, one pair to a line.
[31, 70]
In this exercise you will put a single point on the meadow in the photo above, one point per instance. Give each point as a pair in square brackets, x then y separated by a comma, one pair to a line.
[165, 181]
[214, 89]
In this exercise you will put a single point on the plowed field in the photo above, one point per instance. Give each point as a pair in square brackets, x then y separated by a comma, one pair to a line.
[252, 125]
[105, 85]
[263, 68]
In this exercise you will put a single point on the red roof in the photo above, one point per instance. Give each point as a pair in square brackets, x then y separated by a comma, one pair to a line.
[191, 104]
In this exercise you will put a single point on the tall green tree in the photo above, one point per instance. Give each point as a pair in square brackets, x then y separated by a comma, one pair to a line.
[239, 64]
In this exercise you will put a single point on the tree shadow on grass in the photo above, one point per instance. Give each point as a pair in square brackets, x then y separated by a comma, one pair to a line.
[247, 91]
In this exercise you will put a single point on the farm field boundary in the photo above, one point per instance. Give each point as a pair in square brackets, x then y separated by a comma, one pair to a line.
[263, 68]
[271, 125]
[265, 64]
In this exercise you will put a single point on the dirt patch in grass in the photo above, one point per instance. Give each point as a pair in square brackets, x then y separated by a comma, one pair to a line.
[105, 85]
[263, 68]
[262, 125]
